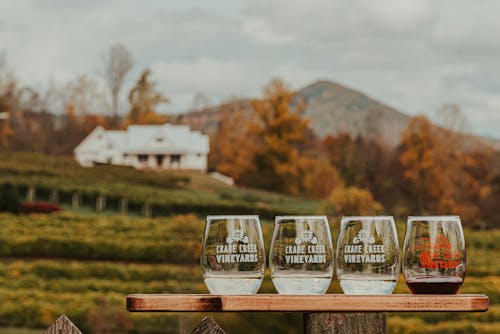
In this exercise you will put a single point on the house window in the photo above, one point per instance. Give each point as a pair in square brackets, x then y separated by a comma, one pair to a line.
[175, 158]
[142, 157]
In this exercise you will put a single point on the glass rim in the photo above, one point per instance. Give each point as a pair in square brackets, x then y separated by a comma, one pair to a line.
[344, 218]
[433, 218]
[290, 217]
[211, 217]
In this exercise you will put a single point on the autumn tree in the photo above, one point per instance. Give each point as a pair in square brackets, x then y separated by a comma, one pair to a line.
[278, 131]
[7, 101]
[81, 102]
[144, 100]
[421, 164]
[350, 201]
[7, 106]
[341, 152]
[117, 63]
[231, 151]
[318, 177]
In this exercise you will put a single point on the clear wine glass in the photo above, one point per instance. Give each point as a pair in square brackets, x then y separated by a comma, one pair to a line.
[367, 260]
[434, 255]
[301, 255]
[233, 260]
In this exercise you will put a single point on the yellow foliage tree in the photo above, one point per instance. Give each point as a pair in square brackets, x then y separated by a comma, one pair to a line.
[144, 99]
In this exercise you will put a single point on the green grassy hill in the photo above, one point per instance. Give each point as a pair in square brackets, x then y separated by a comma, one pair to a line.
[168, 192]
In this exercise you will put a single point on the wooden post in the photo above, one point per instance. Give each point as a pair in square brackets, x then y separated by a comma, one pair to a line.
[62, 326]
[123, 206]
[31, 194]
[54, 196]
[146, 209]
[344, 323]
[208, 326]
[100, 204]
[75, 200]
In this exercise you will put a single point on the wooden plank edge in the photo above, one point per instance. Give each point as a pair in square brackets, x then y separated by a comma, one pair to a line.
[323, 303]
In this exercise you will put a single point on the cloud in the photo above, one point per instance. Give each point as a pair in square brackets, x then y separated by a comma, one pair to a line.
[209, 75]
[261, 32]
[413, 55]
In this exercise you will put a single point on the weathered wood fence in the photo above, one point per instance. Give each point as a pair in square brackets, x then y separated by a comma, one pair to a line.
[146, 209]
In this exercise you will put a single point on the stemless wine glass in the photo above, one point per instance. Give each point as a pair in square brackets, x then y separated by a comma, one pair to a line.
[301, 255]
[232, 258]
[367, 260]
[434, 255]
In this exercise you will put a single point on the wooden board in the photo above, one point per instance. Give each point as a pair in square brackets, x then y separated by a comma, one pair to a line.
[296, 303]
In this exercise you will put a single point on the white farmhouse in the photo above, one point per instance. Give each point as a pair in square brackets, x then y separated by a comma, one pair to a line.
[164, 146]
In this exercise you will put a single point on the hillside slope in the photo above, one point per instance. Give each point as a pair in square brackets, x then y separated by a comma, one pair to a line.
[167, 192]
[333, 108]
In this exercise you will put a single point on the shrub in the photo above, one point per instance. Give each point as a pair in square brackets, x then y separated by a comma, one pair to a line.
[9, 199]
[40, 207]
[351, 201]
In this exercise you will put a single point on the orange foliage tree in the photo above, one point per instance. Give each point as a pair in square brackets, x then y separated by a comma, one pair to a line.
[269, 145]
[278, 131]
[441, 176]
[231, 151]
[318, 177]
[351, 201]
[7, 104]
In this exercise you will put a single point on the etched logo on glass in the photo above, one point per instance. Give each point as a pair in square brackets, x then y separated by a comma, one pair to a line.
[364, 250]
[305, 236]
[237, 249]
[305, 250]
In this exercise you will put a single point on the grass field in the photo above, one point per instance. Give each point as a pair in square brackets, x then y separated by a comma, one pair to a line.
[167, 192]
[84, 265]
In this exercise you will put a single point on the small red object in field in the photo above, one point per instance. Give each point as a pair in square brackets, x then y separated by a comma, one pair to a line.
[40, 207]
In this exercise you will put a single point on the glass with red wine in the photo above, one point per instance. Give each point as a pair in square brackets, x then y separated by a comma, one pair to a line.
[434, 255]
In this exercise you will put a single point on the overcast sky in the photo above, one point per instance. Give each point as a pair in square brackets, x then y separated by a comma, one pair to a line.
[414, 55]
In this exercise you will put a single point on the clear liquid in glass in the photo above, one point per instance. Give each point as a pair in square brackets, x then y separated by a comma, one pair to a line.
[301, 284]
[230, 284]
[367, 284]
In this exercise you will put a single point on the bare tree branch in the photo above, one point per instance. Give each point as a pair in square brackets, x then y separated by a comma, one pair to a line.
[117, 63]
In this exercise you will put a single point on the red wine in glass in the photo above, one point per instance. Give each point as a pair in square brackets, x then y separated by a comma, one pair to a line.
[434, 259]
[434, 285]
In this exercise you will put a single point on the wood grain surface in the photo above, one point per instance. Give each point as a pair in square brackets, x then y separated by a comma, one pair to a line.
[302, 303]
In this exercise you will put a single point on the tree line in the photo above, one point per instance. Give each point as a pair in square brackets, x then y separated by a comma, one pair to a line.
[56, 121]
[270, 146]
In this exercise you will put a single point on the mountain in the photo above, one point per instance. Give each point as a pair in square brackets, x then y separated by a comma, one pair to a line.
[332, 109]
